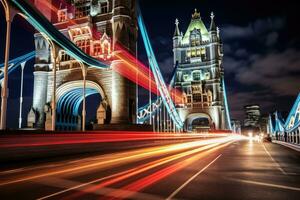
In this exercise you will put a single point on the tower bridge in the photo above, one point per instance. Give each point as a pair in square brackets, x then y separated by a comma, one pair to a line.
[83, 48]
[200, 74]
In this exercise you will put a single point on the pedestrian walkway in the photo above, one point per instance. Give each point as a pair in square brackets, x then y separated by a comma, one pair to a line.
[295, 147]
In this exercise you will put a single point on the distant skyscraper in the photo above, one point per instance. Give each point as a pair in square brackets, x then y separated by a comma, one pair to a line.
[198, 55]
[252, 113]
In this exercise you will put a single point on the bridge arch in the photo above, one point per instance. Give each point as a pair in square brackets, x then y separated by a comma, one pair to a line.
[198, 121]
[69, 99]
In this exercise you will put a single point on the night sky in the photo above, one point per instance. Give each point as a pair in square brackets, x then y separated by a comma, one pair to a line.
[261, 49]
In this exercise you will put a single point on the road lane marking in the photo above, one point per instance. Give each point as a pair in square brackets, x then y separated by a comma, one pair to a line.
[103, 191]
[276, 163]
[135, 171]
[266, 184]
[191, 179]
[79, 186]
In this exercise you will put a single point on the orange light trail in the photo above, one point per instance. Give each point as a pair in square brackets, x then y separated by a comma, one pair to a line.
[138, 170]
[111, 160]
[138, 185]
[195, 147]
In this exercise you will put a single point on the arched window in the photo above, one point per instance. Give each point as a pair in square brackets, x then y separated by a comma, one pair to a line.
[62, 15]
[64, 56]
[82, 8]
[195, 37]
[97, 49]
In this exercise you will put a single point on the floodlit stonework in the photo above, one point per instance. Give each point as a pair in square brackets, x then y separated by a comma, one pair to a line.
[198, 55]
[97, 27]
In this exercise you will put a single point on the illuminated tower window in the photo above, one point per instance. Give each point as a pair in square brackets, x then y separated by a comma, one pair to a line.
[64, 56]
[193, 53]
[189, 99]
[105, 46]
[195, 37]
[84, 45]
[104, 6]
[62, 15]
[188, 53]
[197, 98]
[82, 8]
[205, 98]
[97, 49]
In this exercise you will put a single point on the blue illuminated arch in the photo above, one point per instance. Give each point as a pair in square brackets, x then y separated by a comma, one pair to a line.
[70, 96]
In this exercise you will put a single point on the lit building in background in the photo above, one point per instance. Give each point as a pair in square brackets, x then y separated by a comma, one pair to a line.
[252, 115]
[199, 74]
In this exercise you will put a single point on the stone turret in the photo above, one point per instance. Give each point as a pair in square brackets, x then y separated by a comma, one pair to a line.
[176, 41]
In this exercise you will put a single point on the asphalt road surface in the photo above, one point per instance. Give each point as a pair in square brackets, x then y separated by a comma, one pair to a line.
[224, 168]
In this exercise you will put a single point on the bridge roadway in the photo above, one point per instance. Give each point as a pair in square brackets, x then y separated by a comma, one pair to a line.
[223, 168]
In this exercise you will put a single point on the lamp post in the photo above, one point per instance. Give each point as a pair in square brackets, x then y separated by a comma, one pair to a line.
[84, 73]
[153, 124]
[4, 91]
[21, 94]
[158, 119]
[137, 83]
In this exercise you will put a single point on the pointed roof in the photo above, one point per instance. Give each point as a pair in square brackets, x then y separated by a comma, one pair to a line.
[212, 23]
[196, 23]
[177, 32]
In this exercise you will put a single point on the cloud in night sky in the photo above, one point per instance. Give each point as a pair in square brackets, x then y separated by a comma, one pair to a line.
[274, 71]
[252, 30]
[254, 62]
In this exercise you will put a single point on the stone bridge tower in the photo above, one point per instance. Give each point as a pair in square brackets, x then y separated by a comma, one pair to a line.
[103, 29]
[198, 57]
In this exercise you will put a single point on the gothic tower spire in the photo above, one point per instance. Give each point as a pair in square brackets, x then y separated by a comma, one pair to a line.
[177, 32]
[212, 23]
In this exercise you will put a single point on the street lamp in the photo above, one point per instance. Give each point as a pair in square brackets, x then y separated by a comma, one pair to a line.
[8, 16]
[21, 94]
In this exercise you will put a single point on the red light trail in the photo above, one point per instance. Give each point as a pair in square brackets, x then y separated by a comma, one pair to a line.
[189, 152]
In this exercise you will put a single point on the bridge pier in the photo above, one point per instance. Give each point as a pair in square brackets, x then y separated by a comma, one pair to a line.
[123, 97]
